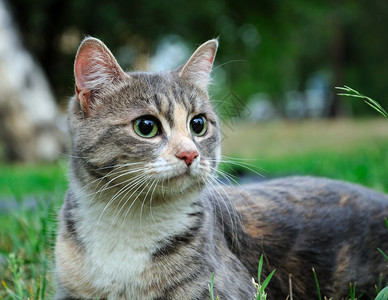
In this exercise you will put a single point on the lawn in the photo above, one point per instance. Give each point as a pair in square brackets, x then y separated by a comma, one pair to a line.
[352, 150]
[29, 199]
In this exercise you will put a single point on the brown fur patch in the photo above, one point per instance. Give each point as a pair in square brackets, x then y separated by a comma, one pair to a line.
[344, 200]
[342, 271]
[70, 266]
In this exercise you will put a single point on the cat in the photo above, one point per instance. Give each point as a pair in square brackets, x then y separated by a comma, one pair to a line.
[143, 217]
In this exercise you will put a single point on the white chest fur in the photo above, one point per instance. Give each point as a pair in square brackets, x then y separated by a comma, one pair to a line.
[118, 249]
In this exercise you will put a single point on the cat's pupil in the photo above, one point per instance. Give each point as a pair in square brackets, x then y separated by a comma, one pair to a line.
[198, 125]
[146, 126]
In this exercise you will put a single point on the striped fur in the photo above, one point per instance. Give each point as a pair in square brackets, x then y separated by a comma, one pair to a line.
[139, 223]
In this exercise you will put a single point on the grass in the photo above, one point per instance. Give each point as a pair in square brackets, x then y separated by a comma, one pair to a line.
[351, 150]
[26, 243]
[211, 289]
[383, 295]
[30, 196]
[260, 286]
[349, 92]
[20, 180]
[352, 289]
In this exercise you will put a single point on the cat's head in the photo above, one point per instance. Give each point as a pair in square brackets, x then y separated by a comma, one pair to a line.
[139, 132]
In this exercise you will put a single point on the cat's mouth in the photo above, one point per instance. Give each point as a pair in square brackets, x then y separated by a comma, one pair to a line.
[182, 176]
[181, 180]
[182, 183]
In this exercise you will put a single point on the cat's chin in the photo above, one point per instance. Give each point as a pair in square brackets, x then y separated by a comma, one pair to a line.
[180, 178]
[181, 184]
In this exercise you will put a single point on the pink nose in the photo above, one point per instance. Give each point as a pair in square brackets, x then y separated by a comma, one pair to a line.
[187, 156]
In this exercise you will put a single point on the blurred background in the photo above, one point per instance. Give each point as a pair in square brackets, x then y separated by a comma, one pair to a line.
[289, 53]
[280, 59]
[274, 85]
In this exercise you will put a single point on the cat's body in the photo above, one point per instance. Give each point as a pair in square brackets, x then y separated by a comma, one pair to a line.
[143, 219]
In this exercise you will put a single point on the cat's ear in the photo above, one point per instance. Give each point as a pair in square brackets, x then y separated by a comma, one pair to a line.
[199, 66]
[95, 68]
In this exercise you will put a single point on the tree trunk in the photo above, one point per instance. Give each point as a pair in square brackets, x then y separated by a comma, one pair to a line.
[28, 112]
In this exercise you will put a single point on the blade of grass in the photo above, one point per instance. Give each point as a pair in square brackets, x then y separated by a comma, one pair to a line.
[211, 287]
[261, 295]
[383, 295]
[368, 101]
[266, 281]
[352, 291]
[37, 292]
[382, 252]
[260, 269]
[317, 285]
[355, 94]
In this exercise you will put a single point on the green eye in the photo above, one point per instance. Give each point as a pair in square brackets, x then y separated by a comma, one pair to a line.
[198, 125]
[146, 127]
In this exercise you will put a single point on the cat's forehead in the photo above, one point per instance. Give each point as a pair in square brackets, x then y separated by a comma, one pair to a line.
[163, 92]
[149, 82]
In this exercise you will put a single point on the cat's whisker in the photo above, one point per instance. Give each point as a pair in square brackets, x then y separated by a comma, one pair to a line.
[217, 204]
[124, 189]
[96, 182]
[229, 177]
[137, 196]
[117, 167]
[76, 157]
[229, 62]
[237, 162]
[230, 159]
[215, 183]
[235, 222]
[116, 175]
[163, 188]
[232, 181]
[152, 194]
[237, 158]
[150, 184]
[133, 187]
[107, 185]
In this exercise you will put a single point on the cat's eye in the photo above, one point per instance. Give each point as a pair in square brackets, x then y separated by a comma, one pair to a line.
[146, 127]
[198, 125]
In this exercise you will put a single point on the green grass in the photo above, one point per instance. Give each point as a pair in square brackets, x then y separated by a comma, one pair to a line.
[211, 289]
[17, 181]
[349, 92]
[30, 197]
[26, 241]
[352, 150]
[260, 286]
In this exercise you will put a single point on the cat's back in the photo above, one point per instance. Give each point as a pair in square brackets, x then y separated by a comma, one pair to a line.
[300, 223]
[303, 192]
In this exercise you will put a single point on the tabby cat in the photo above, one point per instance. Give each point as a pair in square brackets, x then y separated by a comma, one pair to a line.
[144, 218]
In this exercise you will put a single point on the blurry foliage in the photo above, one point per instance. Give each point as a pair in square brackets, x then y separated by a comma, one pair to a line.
[281, 43]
